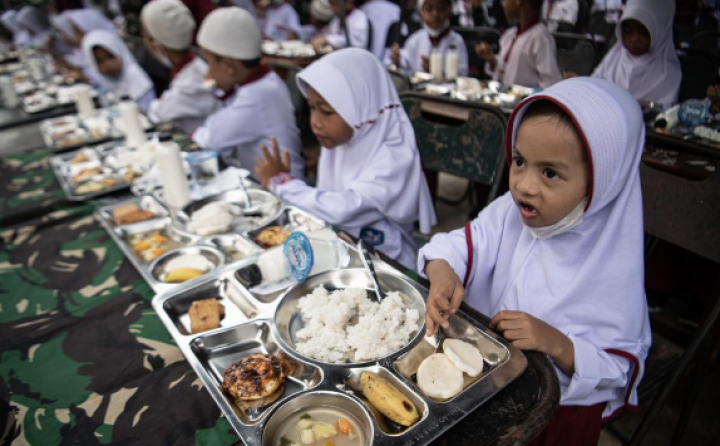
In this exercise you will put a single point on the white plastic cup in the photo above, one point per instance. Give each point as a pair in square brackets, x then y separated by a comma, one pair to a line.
[83, 101]
[7, 89]
[176, 189]
[452, 60]
[436, 65]
[131, 125]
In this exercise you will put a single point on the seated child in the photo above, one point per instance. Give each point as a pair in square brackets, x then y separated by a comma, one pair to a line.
[356, 22]
[281, 21]
[370, 182]
[527, 52]
[168, 29]
[109, 56]
[558, 260]
[257, 102]
[436, 35]
[644, 61]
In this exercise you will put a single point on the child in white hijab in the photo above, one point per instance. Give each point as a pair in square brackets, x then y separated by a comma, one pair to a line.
[37, 24]
[644, 60]
[370, 181]
[558, 260]
[109, 56]
[72, 25]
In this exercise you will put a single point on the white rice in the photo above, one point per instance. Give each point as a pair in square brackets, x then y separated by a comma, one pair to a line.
[381, 328]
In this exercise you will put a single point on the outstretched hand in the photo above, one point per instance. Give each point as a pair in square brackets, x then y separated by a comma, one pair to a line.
[271, 164]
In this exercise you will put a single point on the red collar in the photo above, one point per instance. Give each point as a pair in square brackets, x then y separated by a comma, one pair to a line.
[435, 41]
[261, 72]
[189, 57]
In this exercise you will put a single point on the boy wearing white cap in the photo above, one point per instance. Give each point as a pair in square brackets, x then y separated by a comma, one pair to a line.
[168, 29]
[257, 104]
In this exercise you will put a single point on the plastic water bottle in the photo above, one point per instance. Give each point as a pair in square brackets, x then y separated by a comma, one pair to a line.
[693, 112]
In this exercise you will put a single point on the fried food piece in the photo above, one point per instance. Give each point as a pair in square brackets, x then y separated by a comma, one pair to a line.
[86, 173]
[205, 315]
[134, 217]
[119, 211]
[79, 158]
[182, 275]
[95, 186]
[253, 377]
[272, 236]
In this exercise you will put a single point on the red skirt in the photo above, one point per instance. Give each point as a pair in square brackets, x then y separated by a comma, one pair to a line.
[573, 426]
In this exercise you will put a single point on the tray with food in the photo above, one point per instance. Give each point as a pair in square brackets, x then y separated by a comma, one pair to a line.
[325, 362]
[165, 253]
[47, 97]
[71, 131]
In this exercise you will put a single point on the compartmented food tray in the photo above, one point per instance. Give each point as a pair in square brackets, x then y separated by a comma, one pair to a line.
[316, 392]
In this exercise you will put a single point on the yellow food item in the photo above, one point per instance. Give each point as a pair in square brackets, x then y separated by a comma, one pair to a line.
[323, 431]
[182, 274]
[157, 252]
[388, 399]
[344, 426]
[159, 238]
[142, 246]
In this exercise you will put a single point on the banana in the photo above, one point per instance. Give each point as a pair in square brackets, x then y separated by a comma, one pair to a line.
[388, 399]
[182, 274]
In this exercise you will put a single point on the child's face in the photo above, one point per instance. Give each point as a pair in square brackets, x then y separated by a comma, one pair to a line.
[635, 37]
[511, 8]
[335, 6]
[549, 174]
[220, 70]
[330, 129]
[435, 13]
[107, 63]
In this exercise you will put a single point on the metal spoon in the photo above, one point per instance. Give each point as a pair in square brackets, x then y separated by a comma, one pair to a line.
[249, 210]
[440, 338]
[370, 268]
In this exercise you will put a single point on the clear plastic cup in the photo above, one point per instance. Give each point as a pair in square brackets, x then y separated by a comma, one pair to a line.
[203, 167]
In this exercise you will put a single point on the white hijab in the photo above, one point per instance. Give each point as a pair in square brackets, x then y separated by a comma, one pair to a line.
[88, 20]
[587, 281]
[62, 23]
[133, 80]
[382, 151]
[34, 19]
[654, 76]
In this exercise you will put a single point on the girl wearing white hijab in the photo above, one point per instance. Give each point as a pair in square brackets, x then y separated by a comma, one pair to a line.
[36, 23]
[168, 30]
[370, 182]
[109, 56]
[9, 19]
[558, 260]
[644, 60]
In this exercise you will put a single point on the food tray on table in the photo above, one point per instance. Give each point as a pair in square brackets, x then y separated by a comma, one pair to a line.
[469, 89]
[93, 171]
[144, 230]
[372, 397]
[72, 132]
[48, 96]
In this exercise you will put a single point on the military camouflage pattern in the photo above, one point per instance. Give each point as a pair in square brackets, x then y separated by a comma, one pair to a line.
[471, 150]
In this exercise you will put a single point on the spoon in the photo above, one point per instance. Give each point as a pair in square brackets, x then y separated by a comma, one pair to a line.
[440, 338]
[370, 268]
[249, 210]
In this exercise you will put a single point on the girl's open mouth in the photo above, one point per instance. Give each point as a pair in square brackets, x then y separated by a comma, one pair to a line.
[527, 211]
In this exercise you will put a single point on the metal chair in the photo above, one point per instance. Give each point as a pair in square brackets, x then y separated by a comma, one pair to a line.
[698, 72]
[581, 57]
[401, 81]
[473, 36]
[460, 138]
[682, 212]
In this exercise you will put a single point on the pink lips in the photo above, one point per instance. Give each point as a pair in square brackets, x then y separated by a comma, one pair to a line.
[527, 211]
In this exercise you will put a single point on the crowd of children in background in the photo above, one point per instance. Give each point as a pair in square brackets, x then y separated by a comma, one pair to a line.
[552, 261]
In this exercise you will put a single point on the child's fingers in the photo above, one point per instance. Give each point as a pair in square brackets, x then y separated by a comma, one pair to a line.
[504, 315]
[265, 152]
[430, 326]
[509, 324]
[286, 159]
[457, 298]
[434, 312]
[514, 335]
[276, 149]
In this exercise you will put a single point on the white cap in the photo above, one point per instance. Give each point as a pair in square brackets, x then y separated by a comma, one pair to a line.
[230, 32]
[321, 10]
[169, 22]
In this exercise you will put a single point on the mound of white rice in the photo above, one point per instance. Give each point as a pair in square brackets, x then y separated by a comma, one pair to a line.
[381, 328]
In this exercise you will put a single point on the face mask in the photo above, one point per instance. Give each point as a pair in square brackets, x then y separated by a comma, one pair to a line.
[436, 32]
[571, 220]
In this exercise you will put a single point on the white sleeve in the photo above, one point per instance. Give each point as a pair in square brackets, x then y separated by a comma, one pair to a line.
[546, 60]
[229, 127]
[145, 100]
[293, 23]
[595, 370]
[358, 30]
[182, 101]
[337, 208]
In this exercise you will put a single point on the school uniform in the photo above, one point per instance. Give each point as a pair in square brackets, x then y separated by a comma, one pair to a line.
[556, 11]
[257, 110]
[652, 77]
[133, 81]
[382, 14]
[187, 102]
[87, 20]
[527, 57]
[583, 275]
[422, 44]
[280, 21]
[37, 25]
[372, 186]
[358, 29]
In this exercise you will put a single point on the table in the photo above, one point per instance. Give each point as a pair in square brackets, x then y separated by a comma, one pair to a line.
[21, 139]
[86, 360]
[13, 117]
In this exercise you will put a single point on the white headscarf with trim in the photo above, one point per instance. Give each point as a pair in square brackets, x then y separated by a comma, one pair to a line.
[382, 150]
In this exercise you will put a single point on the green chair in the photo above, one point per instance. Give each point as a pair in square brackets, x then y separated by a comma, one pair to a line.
[461, 138]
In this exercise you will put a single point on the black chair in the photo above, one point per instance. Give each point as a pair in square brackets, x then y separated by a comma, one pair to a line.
[581, 59]
[683, 212]
[401, 81]
[599, 26]
[473, 36]
[699, 70]
[583, 18]
[707, 42]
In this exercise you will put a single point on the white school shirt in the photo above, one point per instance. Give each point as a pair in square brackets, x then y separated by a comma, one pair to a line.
[554, 11]
[280, 21]
[418, 45]
[531, 58]
[382, 14]
[254, 113]
[358, 30]
[186, 102]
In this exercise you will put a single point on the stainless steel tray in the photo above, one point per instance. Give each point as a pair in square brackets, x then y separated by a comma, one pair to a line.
[255, 326]
[235, 248]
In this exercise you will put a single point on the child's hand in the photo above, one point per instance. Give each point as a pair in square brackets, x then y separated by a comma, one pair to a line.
[484, 51]
[319, 41]
[569, 74]
[528, 333]
[425, 63]
[395, 54]
[446, 294]
[269, 165]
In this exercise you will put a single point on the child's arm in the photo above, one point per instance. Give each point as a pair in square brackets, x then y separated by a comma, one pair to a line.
[221, 130]
[445, 296]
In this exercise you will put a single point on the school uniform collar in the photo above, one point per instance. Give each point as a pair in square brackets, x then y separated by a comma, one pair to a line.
[262, 71]
[435, 41]
[189, 57]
